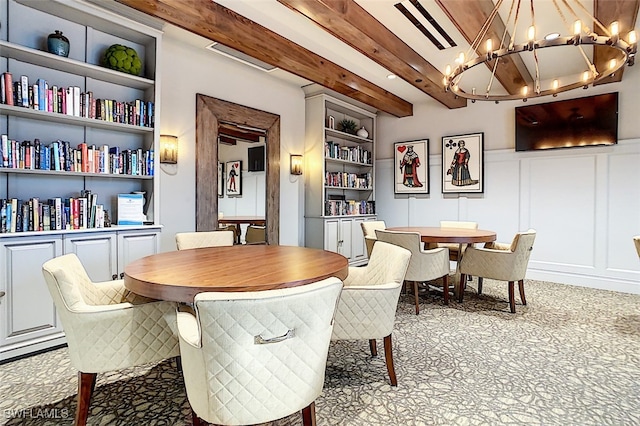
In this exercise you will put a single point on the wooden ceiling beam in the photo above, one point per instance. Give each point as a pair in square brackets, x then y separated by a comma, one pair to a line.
[349, 22]
[607, 11]
[217, 23]
[469, 17]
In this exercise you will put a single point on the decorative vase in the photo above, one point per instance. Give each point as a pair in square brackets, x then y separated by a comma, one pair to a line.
[58, 44]
[363, 133]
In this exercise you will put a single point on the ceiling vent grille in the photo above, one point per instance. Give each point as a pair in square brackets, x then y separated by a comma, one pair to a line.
[415, 12]
[239, 56]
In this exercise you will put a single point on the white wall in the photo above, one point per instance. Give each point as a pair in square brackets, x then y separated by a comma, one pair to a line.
[583, 202]
[188, 70]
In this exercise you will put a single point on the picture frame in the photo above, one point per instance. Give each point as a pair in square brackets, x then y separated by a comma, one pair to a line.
[463, 163]
[411, 167]
[220, 179]
[233, 173]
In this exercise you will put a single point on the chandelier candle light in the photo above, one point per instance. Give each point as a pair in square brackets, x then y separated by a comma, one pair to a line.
[551, 85]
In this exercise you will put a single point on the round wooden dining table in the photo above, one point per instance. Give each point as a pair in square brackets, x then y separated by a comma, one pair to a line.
[179, 275]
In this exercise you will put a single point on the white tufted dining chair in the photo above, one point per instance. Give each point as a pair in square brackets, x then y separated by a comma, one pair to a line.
[425, 265]
[636, 240]
[369, 230]
[500, 261]
[367, 307]
[189, 240]
[254, 357]
[107, 327]
[454, 249]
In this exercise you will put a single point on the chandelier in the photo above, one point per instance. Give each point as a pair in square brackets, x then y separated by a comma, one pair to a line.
[574, 17]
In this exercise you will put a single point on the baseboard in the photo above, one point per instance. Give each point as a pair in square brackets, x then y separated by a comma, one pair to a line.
[601, 283]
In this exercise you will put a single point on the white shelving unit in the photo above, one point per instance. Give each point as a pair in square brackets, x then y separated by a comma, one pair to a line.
[28, 320]
[340, 176]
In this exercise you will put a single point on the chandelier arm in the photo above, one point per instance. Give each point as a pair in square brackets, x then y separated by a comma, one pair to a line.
[506, 26]
[515, 26]
[593, 18]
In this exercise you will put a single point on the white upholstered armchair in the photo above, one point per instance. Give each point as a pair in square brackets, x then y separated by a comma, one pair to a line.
[254, 357]
[425, 265]
[189, 240]
[107, 327]
[500, 261]
[369, 231]
[636, 240]
[367, 308]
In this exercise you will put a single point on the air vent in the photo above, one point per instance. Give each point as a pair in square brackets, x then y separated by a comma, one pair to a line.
[415, 12]
[239, 56]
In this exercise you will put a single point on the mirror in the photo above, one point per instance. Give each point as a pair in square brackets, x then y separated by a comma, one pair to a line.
[214, 117]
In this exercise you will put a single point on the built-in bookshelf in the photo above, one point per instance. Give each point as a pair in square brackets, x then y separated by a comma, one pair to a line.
[339, 175]
[65, 158]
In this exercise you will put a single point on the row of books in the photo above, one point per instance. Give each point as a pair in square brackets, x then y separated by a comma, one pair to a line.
[348, 207]
[357, 154]
[348, 180]
[52, 215]
[71, 101]
[59, 155]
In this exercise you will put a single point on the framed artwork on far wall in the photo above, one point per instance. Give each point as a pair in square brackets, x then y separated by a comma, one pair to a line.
[411, 167]
[233, 170]
[220, 179]
[463, 163]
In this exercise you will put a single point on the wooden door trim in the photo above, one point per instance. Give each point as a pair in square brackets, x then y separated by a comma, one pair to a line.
[209, 112]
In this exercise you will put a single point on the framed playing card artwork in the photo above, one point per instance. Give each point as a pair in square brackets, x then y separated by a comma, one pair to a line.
[233, 171]
[463, 163]
[411, 167]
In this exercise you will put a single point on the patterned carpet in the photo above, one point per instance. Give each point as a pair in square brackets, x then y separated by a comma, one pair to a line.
[571, 357]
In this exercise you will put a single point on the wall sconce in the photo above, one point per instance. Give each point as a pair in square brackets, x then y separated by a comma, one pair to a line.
[296, 164]
[168, 149]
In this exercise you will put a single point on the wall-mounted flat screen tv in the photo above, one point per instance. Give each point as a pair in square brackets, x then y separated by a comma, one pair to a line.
[588, 121]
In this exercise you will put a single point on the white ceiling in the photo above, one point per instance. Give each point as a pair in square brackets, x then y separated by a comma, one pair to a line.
[557, 61]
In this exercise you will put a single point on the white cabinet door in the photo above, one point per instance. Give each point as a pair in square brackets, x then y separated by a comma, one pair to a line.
[97, 252]
[133, 245]
[332, 235]
[358, 248]
[26, 309]
[346, 238]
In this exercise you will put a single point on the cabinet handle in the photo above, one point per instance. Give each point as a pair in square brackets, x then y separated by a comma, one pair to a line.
[114, 277]
[2, 293]
[121, 275]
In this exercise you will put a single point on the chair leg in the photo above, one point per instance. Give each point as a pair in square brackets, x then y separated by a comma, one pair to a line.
[178, 360]
[445, 288]
[415, 295]
[197, 421]
[388, 354]
[372, 347]
[463, 279]
[86, 384]
[479, 285]
[512, 298]
[309, 415]
[521, 288]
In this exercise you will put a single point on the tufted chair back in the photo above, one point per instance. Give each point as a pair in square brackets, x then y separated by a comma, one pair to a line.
[368, 302]
[189, 240]
[254, 357]
[503, 262]
[425, 265]
[107, 327]
[636, 240]
[369, 230]
[256, 234]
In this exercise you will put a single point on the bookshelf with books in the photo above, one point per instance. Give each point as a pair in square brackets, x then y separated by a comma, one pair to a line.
[339, 174]
[74, 135]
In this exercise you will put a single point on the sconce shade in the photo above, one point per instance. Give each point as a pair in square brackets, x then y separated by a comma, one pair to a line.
[296, 164]
[168, 149]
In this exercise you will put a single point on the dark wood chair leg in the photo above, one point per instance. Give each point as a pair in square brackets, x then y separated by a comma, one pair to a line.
[521, 288]
[197, 421]
[445, 289]
[388, 354]
[178, 360]
[479, 285]
[512, 297]
[461, 288]
[372, 347]
[309, 415]
[415, 295]
[86, 385]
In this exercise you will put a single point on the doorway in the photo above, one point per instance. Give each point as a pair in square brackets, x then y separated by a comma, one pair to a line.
[210, 114]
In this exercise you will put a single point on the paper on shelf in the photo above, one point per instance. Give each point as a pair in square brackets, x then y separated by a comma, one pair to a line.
[130, 209]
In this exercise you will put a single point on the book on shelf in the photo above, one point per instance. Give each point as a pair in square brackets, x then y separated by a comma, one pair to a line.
[24, 91]
[8, 88]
